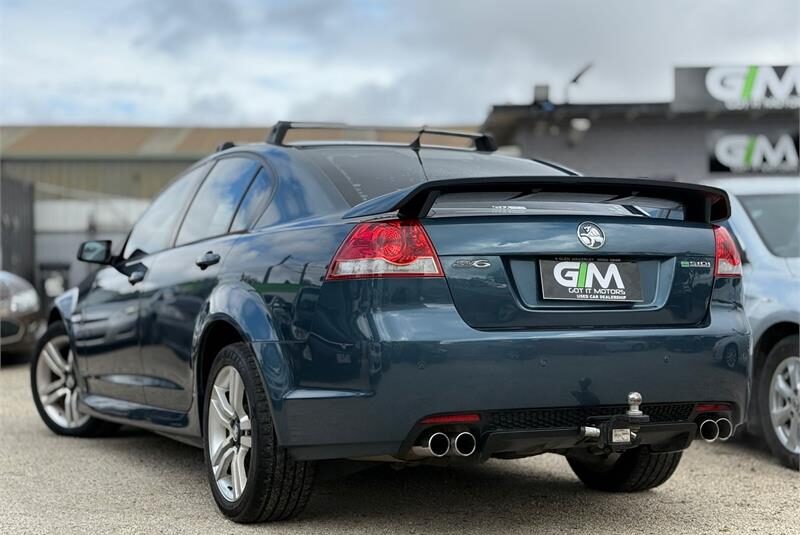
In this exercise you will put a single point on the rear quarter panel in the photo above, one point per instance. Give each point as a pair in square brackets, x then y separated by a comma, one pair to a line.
[270, 290]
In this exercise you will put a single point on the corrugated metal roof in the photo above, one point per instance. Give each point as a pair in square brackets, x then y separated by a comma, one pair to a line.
[127, 177]
[114, 142]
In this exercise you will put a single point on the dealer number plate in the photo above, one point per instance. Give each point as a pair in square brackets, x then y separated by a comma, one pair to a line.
[591, 280]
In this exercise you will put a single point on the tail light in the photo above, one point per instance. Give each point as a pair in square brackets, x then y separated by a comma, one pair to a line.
[397, 248]
[728, 262]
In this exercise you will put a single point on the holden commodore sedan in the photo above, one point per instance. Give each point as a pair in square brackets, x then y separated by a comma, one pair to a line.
[284, 304]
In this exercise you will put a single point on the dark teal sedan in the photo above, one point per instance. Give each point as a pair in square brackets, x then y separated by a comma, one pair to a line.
[284, 304]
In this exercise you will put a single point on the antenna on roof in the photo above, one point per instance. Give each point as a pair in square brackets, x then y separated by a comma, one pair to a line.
[225, 145]
[415, 145]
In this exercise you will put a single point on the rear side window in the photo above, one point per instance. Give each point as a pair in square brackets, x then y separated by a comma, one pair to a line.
[212, 209]
[153, 232]
[254, 201]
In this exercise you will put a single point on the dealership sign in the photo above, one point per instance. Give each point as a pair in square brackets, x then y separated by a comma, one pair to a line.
[753, 153]
[747, 87]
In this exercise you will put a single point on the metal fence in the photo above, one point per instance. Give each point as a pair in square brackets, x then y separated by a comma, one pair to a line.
[16, 221]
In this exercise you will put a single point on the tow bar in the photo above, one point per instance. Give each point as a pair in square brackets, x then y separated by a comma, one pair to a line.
[620, 431]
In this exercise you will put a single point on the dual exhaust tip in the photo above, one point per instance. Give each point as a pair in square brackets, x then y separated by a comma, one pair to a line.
[712, 430]
[439, 444]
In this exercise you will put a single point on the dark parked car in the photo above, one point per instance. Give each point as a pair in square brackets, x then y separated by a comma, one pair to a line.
[20, 315]
[283, 304]
[765, 220]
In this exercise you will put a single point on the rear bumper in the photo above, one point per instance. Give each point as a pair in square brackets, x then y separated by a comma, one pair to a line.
[658, 436]
[365, 398]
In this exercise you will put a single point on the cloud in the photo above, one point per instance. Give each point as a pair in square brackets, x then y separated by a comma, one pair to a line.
[180, 27]
[239, 62]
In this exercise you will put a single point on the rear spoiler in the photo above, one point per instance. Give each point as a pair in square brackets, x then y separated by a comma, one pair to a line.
[701, 204]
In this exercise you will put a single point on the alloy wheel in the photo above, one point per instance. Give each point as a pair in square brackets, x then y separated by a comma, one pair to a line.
[229, 433]
[784, 403]
[57, 385]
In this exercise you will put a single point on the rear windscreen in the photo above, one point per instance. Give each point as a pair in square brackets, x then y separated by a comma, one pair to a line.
[552, 202]
[777, 220]
[363, 173]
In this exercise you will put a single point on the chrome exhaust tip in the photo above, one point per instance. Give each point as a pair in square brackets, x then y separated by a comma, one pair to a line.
[709, 430]
[725, 428]
[437, 445]
[464, 444]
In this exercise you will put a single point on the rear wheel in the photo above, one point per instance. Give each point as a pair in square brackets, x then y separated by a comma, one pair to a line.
[632, 471]
[779, 401]
[54, 384]
[252, 478]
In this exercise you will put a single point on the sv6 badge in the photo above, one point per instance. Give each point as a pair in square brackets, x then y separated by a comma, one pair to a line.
[478, 263]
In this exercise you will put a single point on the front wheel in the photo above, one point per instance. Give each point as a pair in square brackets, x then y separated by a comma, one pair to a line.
[55, 387]
[252, 478]
[631, 471]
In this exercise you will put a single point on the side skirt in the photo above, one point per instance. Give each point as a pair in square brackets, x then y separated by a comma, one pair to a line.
[180, 426]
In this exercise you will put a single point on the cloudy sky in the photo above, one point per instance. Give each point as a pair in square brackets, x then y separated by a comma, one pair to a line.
[230, 62]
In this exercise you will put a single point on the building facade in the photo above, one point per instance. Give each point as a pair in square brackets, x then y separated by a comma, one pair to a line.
[732, 121]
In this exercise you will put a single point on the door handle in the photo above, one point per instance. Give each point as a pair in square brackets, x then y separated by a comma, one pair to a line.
[208, 259]
[136, 276]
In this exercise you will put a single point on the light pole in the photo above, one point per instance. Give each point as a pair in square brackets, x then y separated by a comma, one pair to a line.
[575, 81]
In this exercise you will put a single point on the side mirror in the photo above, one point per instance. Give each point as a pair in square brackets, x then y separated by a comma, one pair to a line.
[95, 252]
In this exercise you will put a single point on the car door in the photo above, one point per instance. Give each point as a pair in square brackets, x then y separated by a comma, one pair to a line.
[106, 337]
[182, 279]
[106, 325]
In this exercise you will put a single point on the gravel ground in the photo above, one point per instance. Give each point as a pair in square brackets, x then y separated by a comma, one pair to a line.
[142, 483]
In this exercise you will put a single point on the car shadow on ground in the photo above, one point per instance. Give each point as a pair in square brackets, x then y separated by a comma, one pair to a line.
[752, 445]
[487, 497]
[14, 358]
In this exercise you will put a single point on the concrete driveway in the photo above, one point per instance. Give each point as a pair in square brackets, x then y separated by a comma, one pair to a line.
[142, 483]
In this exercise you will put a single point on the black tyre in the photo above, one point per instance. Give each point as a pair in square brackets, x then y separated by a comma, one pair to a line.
[632, 471]
[56, 388]
[779, 401]
[252, 478]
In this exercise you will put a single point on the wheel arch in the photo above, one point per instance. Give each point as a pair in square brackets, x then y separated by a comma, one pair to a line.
[54, 316]
[766, 341]
[771, 336]
[63, 308]
[220, 331]
[235, 314]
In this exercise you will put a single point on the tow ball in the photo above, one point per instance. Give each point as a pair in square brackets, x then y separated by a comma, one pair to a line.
[619, 432]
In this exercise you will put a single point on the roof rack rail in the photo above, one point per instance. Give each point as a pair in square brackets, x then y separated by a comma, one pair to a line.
[225, 145]
[483, 142]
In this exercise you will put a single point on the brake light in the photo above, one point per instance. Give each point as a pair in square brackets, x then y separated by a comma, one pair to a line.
[728, 261]
[397, 248]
